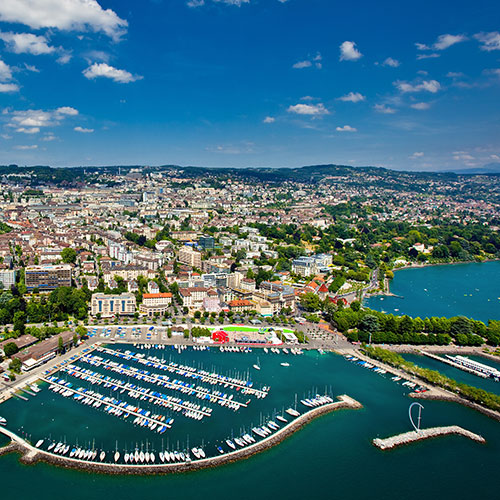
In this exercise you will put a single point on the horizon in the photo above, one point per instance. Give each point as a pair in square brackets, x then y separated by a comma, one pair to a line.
[233, 83]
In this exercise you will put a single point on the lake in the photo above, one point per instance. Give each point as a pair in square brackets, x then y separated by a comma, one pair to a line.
[471, 290]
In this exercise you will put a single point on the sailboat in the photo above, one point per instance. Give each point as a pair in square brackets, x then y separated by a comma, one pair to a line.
[257, 365]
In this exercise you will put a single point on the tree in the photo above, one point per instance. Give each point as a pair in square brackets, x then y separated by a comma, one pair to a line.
[20, 322]
[81, 331]
[310, 302]
[10, 349]
[15, 365]
[68, 255]
[60, 345]
[369, 324]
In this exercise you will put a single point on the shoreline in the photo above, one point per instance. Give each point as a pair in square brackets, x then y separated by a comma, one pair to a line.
[31, 455]
[387, 281]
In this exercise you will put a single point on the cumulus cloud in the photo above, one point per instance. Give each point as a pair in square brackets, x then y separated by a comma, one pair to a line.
[421, 106]
[393, 63]
[5, 72]
[431, 86]
[32, 120]
[346, 128]
[352, 97]
[83, 130]
[66, 15]
[382, 108]
[349, 52]
[8, 87]
[302, 64]
[269, 119]
[442, 42]
[105, 70]
[309, 109]
[489, 41]
[26, 43]
[26, 148]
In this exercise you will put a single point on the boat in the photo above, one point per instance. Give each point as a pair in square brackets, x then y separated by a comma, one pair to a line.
[257, 365]
[3, 421]
[285, 364]
[117, 456]
[281, 419]
[102, 456]
[39, 443]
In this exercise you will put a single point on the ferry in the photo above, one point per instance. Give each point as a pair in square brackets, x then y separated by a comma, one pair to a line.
[477, 367]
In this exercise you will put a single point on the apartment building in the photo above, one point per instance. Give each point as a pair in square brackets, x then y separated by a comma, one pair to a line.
[155, 303]
[47, 277]
[112, 305]
[190, 257]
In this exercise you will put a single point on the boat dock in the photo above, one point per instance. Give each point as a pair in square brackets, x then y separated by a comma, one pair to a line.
[32, 454]
[153, 378]
[136, 393]
[432, 432]
[173, 367]
[452, 363]
[112, 405]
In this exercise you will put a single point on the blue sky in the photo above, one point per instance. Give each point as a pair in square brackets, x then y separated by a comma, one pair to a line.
[250, 83]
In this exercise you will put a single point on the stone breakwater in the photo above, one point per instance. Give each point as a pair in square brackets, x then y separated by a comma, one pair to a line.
[432, 432]
[32, 455]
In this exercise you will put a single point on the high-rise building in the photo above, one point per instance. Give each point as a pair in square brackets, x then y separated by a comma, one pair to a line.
[47, 277]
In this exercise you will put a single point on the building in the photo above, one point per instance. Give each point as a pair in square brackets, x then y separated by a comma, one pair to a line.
[112, 305]
[155, 303]
[190, 257]
[7, 278]
[47, 277]
[241, 305]
[309, 266]
[206, 242]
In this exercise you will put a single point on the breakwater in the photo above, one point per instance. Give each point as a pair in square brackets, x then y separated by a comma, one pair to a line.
[432, 432]
[31, 454]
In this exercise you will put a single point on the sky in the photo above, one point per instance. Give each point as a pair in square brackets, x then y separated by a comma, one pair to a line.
[282, 83]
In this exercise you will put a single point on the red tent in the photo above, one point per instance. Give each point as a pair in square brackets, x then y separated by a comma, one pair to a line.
[220, 336]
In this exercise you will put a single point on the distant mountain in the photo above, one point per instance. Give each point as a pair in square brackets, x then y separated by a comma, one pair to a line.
[490, 168]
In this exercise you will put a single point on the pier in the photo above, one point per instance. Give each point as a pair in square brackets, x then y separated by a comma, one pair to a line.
[135, 393]
[107, 403]
[432, 432]
[180, 371]
[32, 454]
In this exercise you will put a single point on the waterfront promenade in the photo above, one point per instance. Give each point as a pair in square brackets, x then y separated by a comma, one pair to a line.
[31, 454]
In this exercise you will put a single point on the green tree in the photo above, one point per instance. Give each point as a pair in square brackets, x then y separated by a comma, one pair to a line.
[10, 349]
[68, 255]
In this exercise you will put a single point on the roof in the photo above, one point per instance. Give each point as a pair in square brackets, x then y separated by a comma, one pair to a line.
[157, 296]
[237, 303]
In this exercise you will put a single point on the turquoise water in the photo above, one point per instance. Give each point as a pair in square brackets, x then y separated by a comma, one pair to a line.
[457, 374]
[471, 290]
[330, 458]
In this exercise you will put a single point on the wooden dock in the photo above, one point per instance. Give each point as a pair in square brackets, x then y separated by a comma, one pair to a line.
[431, 432]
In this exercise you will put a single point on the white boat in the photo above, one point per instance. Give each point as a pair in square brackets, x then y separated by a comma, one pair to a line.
[102, 456]
[39, 443]
[285, 364]
[3, 421]
[117, 456]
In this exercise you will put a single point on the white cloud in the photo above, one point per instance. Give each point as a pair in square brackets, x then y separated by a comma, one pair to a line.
[29, 130]
[417, 154]
[64, 58]
[393, 63]
[26, 43]
[462, 156]
[238, 3]
[32, 120]
[67, 15]
[346, 128]
[489, 41]
[49, 137]
[445, 41]
[8, 87]
[454, 74]
[309, 109]
[442, 42]
[5, 72]
[494, 157]
[427, 56]
[105, 70]
[421, 106]
[302, 64]
[431, 86]
[26, 148]
[83, 130]
[30, 67]
[349, 52]
[352, 97]
[382, 108]
[195, 3]
[269, 119]
[67, 110]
